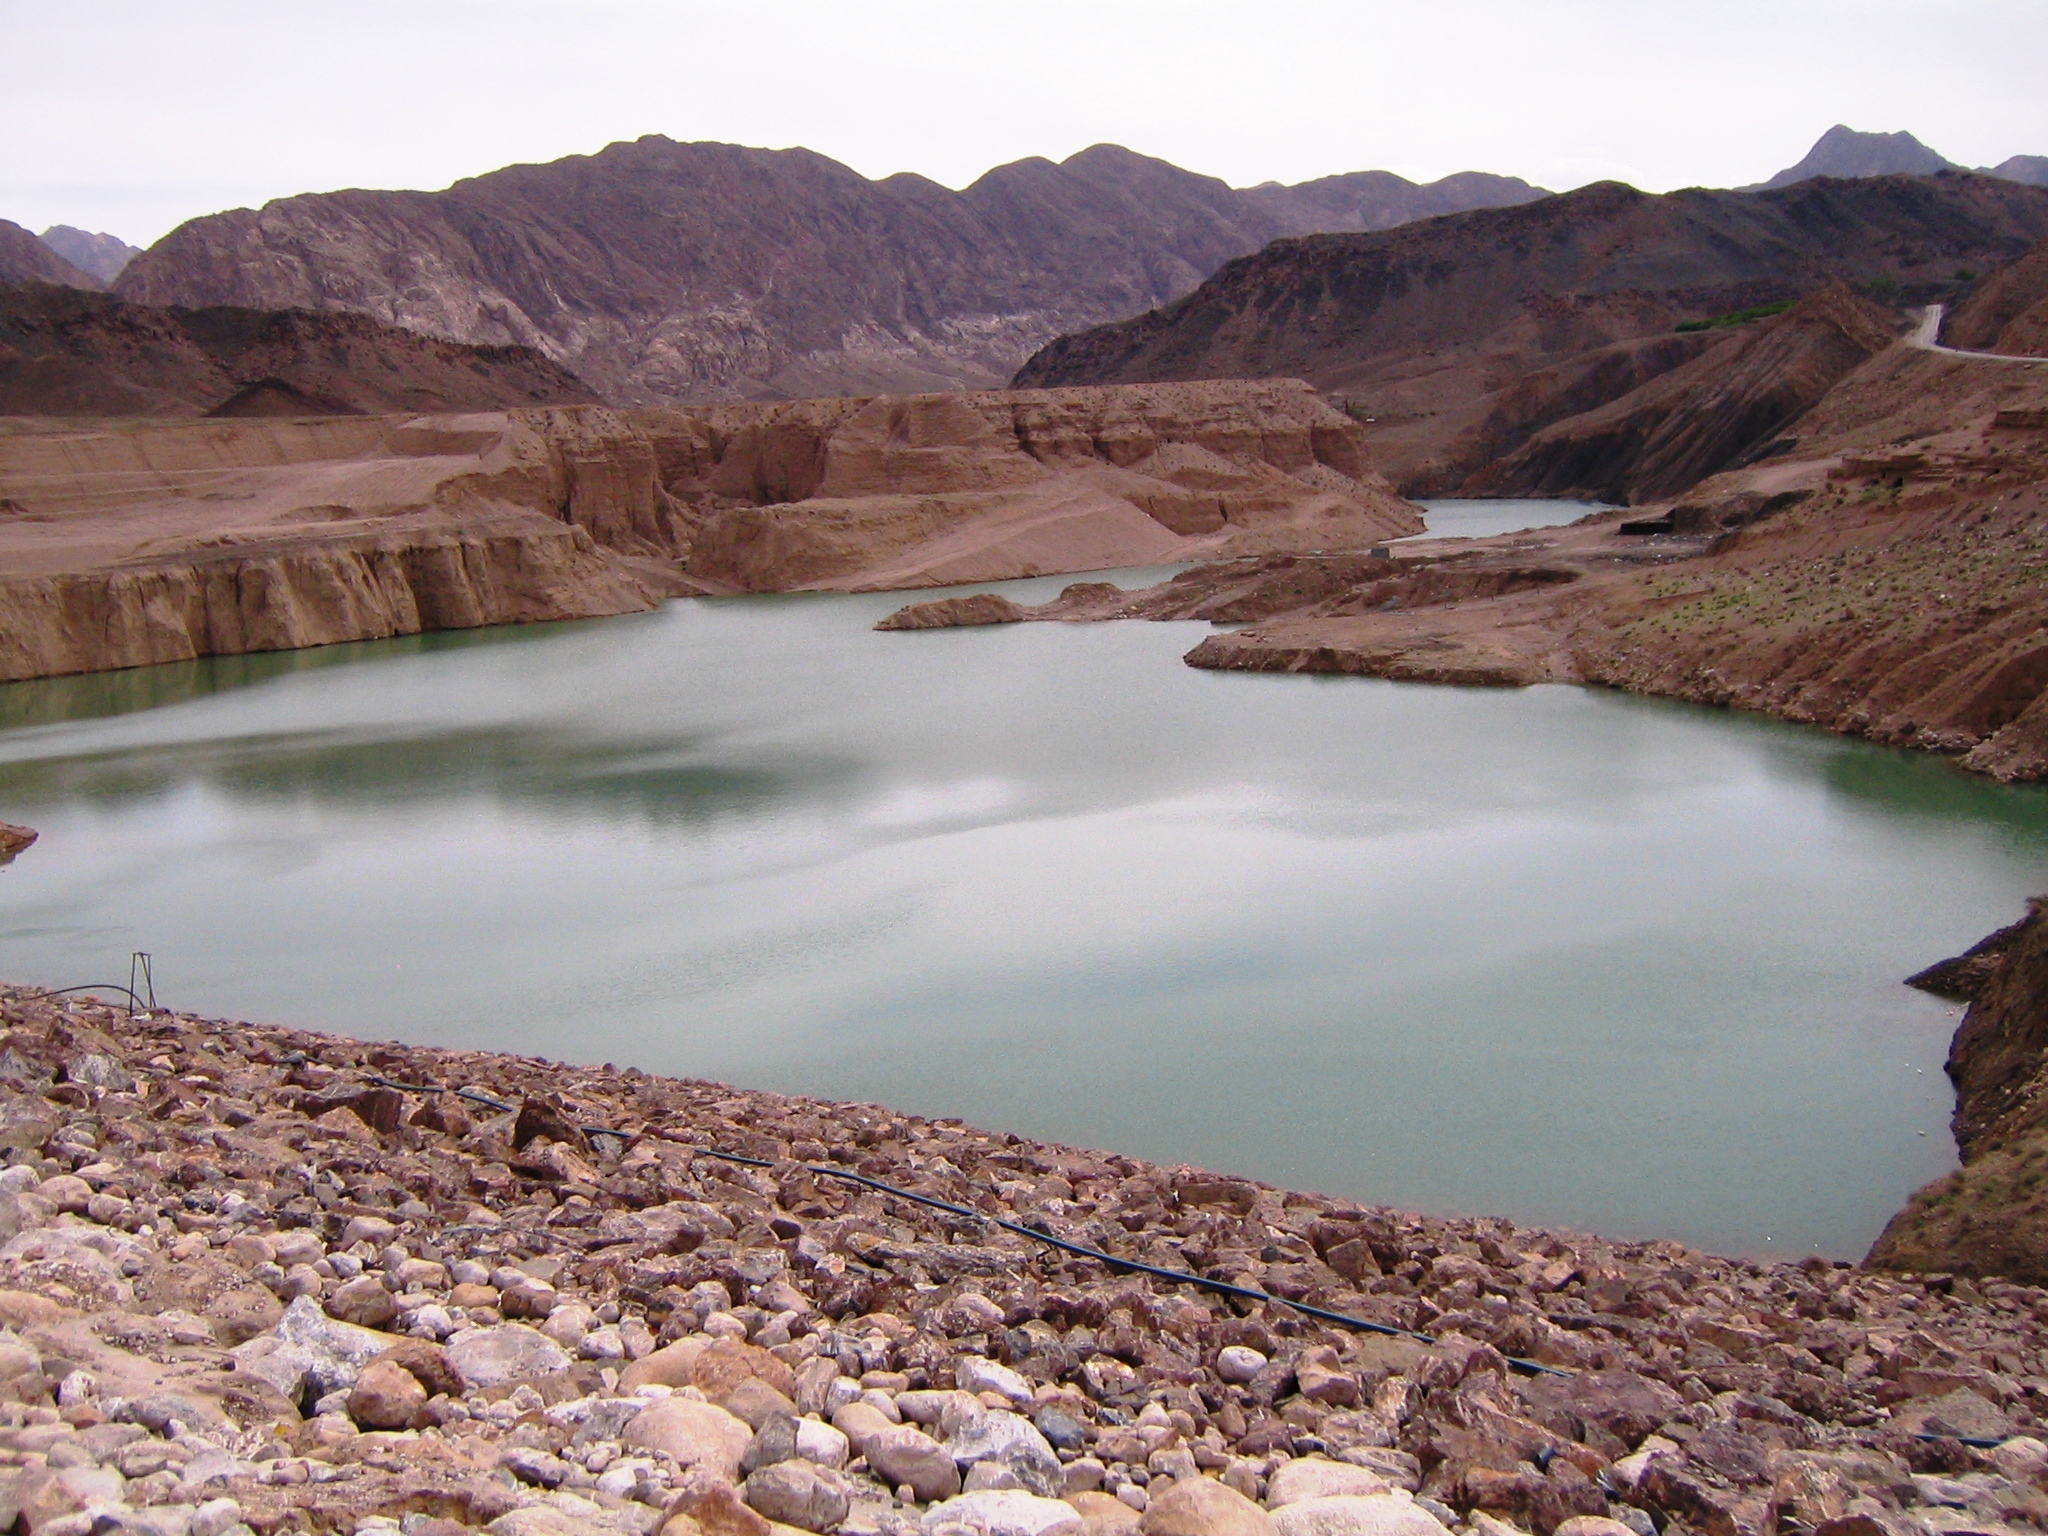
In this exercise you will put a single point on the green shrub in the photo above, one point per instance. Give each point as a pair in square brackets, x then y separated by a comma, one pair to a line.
[1736, 317]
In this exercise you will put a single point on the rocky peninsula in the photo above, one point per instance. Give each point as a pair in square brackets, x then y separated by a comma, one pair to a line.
[249, 1283]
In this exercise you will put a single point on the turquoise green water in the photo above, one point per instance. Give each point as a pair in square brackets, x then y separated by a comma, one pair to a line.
[1558, 954]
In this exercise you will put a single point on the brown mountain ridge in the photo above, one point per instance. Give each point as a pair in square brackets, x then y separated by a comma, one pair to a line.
[1458, 339]
[660, 271]
[64, 352]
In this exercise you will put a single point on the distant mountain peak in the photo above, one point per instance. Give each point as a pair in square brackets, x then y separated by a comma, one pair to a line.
[101, 255]
[1848, 152]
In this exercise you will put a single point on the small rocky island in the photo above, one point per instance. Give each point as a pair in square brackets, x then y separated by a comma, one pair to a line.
[252, 1280]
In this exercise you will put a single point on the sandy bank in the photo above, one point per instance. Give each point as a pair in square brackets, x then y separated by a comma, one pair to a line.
[128, 543]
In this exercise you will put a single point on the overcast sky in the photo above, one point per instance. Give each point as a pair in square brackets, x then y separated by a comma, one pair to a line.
[134, 115]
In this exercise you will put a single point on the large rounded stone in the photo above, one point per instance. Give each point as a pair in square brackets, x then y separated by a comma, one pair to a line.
[1313, 1477]
[1375, 1514]
[797, 1493]
[1001, 1512]
[900, 1454]
[385, 1396]
[363, 1302]
[695, 1434]
[670, 1366]
[860, 1422]
[502, 1355]
[1200, 1506]
[1239, 1363]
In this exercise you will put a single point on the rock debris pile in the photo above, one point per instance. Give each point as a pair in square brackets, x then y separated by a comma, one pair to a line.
[244, 1290]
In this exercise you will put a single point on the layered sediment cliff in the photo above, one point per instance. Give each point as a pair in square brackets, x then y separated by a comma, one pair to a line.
[128, 543]
[1886, 575]
[1990, 1217]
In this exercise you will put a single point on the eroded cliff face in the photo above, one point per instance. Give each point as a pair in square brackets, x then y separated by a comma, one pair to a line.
[1990, 1217]
[130, 543]
[1887, 576]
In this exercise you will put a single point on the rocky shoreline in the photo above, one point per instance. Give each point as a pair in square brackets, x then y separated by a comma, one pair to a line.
[248, 1286]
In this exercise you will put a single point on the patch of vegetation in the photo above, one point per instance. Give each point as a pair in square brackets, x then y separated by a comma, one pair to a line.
[1736, 317]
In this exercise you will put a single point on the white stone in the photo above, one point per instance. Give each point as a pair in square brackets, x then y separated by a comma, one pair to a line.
[1376, 1514]
[504, 1353]
[1312, 1477]
[1000, 1512]
[974, 1374]
[1239, 1363]
[820, 1442]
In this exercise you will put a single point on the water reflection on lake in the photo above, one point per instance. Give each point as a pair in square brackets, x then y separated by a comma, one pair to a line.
[1554, 953]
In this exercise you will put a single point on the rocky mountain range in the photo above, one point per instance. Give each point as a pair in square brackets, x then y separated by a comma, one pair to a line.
[65, 352]
[1457, 340]
[660, 271]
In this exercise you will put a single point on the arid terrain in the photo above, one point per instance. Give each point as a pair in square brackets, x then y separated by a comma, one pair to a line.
[1881, 573]
[126, 543]
[662, 272]
[247, 1286]
[1458, 340]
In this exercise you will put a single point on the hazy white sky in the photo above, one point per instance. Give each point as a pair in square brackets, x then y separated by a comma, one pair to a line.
[134, 115]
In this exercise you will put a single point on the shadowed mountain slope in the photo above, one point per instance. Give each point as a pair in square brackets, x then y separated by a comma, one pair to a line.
[663, 271]
[68, 353]
[2008, 311]
[1437, 332]
[26, 259]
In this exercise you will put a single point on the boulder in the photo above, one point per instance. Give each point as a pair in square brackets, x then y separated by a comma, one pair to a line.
[1378, 1514]
[1239, 1363]
[363, 1301]
[1320, 1375]
[1001, 1512]
[669, 1366]
[1012, 1443]
[860, 1421]
[385, 1396]
[309, 1352]
[711, 1506]
[429, 1365]
[501, 1355]
[724, 1363]
[1313, 1477]
[797, 1493]
[1104, 1514]
[900, 1454]
[695, 1434]
[1592, 1525]
[753, 1400]
[1200, 1506]
[974, 1374]
[819, 1442]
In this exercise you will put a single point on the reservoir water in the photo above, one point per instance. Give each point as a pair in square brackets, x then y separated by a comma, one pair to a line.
[1557, 954]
